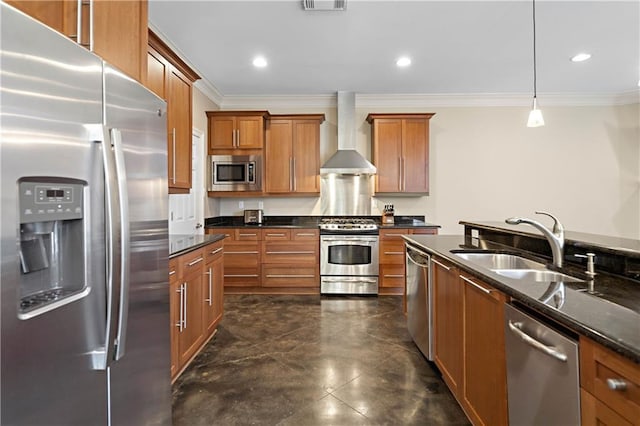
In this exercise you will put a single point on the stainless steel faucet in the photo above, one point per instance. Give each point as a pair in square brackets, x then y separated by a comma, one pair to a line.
[555, 236]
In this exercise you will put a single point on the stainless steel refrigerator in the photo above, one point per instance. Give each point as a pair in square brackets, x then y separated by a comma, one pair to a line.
[84, 246]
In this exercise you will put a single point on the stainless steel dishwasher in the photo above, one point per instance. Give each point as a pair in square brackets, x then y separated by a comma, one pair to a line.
[419, 317]
[542, 372]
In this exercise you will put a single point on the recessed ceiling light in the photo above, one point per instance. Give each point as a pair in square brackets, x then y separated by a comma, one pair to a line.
[581, 57]
[260, 62]
[403, 61]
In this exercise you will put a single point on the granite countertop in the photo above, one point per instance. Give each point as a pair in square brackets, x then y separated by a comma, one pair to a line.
[180, 244]
[611, 316]
[311, 222]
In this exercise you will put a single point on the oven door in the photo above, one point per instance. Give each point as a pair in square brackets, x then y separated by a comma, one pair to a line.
[349, 255]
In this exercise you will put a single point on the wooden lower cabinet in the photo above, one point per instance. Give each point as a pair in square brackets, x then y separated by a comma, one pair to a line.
[469, 342]
[602, 403]
[271, 260]
[391, 254]
[196, 302]
[484, 384]
[448, 325]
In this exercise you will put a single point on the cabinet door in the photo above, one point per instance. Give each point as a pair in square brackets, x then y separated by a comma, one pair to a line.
[174, 314]
[306, 156]
[279, 157]
[387, 154]
[179, 124]
[250, 132]
[595, 413]
[191, 336]
[212, 293]
[448, 324]
[415, 155]
[484, 353]
[157, 73]
[120, 34]
[49, 12]
[222, 133]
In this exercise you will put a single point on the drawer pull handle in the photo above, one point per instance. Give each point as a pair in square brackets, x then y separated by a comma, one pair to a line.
[398, 253]
[438, 263]
[172, 273]
[479, 287]
[276, 235]
[218, 250]
[306, 234]
[290, 252]
[616, 384]
[393, 276]
[193, 262]
[247, 235]
[240, 276]
[289, 276]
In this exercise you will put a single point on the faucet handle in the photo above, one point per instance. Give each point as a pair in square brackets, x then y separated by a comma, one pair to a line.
[557, 226]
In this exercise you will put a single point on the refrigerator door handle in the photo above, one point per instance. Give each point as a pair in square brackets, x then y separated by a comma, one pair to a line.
[123, 198]
[102, 357]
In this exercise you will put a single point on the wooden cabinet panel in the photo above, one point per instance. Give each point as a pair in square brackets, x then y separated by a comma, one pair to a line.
[190, 338]
[392, 276]
[213, 288]
[157, 73]
[179, 124]
[392, 257]
[392, 252]
[236, 131]
[484, 353]
[593, 412]
[598, 367]
[293, 253]
[305, 235]
[174, 314]
[119, 28]
[286, 276]
[276, 234]
[292, 154]
[401, 152]
[448, 325]
[279, 156]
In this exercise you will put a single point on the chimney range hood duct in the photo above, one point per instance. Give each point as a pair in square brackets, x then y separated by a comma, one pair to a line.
[347, 160]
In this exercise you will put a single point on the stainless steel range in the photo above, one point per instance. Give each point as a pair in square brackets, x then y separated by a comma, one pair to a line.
[348, 256]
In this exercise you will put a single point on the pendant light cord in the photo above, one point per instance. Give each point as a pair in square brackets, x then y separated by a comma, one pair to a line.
[534, 51]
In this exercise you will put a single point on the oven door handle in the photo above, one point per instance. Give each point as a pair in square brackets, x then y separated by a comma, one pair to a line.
[349, 239]
[349, 279]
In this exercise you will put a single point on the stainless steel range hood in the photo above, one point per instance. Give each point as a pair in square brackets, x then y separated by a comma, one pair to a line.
[347, 160]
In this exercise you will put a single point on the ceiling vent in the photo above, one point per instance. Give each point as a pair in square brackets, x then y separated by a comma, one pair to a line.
[324, 4]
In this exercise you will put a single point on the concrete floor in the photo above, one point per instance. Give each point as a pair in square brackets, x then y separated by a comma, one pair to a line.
[311, 360]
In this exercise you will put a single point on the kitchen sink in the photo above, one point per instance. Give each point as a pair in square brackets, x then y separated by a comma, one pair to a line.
[500, 261]
[537, 275]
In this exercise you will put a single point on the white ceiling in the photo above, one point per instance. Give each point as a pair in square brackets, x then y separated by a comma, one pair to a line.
[457, 47]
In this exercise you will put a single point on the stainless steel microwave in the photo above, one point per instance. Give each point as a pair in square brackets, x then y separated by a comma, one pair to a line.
[235, 173]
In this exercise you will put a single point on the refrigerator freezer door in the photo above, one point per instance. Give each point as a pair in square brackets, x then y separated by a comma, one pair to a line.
[50, 89]
[140, 375]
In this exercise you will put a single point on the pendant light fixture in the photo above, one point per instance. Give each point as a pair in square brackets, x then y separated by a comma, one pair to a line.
[535, 116]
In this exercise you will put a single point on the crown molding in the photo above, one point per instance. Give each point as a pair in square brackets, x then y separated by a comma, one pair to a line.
[391, 101]
[210, 91]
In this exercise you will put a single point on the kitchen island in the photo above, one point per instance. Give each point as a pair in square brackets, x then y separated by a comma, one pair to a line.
[601, 315]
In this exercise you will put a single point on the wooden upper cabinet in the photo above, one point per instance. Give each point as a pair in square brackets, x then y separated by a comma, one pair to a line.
[401, 152]
[236, 130]
[119, 28]
[171, 79]
[292, 154]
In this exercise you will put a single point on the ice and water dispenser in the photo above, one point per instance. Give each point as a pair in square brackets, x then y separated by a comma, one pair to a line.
[52, 260]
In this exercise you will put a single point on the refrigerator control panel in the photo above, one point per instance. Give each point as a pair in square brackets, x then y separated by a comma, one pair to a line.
[46, 201]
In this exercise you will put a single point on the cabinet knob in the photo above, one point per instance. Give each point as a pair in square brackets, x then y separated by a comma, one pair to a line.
[616, 384]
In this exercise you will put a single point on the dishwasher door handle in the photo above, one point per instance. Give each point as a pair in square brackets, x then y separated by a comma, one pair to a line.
[516, 328]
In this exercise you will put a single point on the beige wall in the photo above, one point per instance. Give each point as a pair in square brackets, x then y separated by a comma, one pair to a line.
[485, 164]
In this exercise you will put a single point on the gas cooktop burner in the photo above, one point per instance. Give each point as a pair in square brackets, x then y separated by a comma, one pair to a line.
[348, 224]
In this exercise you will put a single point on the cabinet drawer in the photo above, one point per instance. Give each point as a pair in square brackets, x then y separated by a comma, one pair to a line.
[229, 233]
[286, 276]
[422, 231]
[305, 234]
[392, 276]
[242, 255]
[213, 251]
[241, 276]
[392, 252]
[276, 234]
[248, 234]
[600, 369]
[192, 261]
[595, 413]
[290, 252]
[394, 234]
